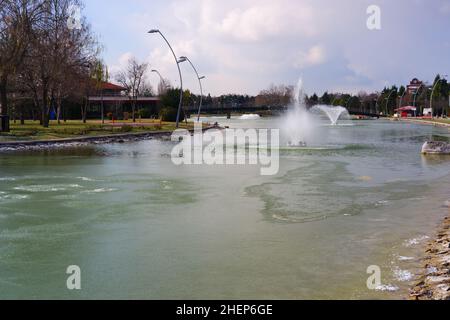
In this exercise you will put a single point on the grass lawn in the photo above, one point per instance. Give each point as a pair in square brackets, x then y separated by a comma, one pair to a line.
[435, 120]
[441, 120]
[32, 130]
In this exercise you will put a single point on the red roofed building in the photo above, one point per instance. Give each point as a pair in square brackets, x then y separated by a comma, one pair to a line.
[412, 94]
[116, 101]
[111, 89]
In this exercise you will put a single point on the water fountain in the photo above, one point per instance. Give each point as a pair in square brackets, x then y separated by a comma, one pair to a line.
[296, 124]
[334, 113]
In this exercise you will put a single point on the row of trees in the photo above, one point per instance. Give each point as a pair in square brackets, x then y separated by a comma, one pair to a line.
[45, 57]
[386, 101]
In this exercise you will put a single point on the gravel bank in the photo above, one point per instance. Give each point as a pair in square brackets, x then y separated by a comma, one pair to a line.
[435, 280]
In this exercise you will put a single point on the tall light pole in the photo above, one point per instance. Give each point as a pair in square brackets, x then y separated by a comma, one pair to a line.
[163, 82]
[199, 82]
[377, 104]
[179, 72]
[401, 100]
[334, 99]
[432, 93]
[415, 96]
[389, 98]
[348, 101]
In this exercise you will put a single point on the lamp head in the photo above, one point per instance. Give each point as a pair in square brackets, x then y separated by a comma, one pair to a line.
[182, 59]
[202, 77]
[154, 31]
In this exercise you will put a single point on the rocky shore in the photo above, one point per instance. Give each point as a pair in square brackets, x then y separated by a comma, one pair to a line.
[434, 283]
[14, 146]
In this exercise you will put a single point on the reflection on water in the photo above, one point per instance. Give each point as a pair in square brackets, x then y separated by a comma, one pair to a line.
[140, 227]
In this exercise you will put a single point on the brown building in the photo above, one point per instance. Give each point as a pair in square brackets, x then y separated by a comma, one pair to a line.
[116, 101]
[413, 91]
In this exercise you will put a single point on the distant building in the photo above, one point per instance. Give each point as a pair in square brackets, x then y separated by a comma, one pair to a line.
[116, 101]
[413, 86]
[413, 90]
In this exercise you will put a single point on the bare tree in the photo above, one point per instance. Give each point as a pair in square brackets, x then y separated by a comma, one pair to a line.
[133, 79]
[16, 19]
[275, 96]
[59, 57]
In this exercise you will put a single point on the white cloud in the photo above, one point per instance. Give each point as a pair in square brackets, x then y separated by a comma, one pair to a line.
[314, 56]
[262, 21]
[120, 64]
[245, 45]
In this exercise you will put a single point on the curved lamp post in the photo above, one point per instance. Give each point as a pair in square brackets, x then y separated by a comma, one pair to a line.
[415, 95]
[348, 101]
[199, 82]
[401, 99]
[159, 74]
[389, 98]
[377, 104]
[160, 77]
[179, 72]
[334, 99]
[432, 94]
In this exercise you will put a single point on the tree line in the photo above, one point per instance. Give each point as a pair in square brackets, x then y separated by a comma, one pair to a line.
[385, 102]
[47, 54]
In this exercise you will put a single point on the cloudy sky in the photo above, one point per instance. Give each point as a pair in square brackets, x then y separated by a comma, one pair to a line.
[243, 46]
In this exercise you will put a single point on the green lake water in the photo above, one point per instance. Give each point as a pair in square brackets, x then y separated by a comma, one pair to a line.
[140, 227]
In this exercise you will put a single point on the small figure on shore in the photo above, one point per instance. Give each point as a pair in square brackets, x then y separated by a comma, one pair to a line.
[301, 144]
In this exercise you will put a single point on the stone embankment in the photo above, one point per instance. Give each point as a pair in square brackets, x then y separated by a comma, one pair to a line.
[434, 283]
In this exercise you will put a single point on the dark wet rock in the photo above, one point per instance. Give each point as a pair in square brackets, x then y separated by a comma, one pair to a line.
[436, 147]
[20, 146]
[434, 283]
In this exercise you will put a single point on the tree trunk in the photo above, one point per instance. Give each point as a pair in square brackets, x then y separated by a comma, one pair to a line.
[58, 109]
[22, 117]
[4, 125]
[45, 109]
[103, 112]
[84, 112]
[133, 111]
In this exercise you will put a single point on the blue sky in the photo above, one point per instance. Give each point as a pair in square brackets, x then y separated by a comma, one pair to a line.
[243, 46]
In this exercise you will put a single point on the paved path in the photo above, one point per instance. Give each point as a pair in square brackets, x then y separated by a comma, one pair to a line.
[89, 139]
[427, 122]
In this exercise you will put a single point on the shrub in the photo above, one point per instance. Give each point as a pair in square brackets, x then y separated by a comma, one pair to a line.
[126, 128]
[170, 114]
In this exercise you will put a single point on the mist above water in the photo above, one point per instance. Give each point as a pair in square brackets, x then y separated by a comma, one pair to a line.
[297, 123]
[334, 113]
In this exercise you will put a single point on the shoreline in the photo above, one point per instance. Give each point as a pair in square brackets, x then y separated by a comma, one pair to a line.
[30, 145]
[425, 122]
[434, 281]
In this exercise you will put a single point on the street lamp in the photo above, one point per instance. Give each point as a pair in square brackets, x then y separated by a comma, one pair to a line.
[179, 72]
[348, 101]
[432, 93]
[199, 82]
[377, 109]
[415, 95]
[334, 99]
[160, 77]
[401, 100]
[389, 98]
